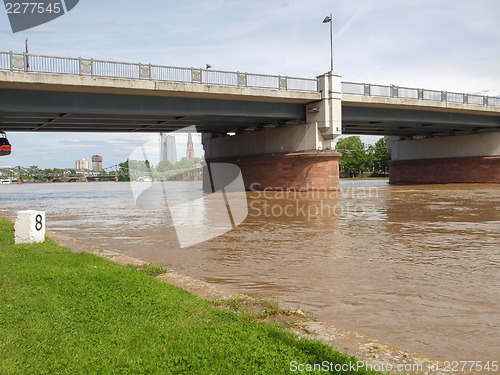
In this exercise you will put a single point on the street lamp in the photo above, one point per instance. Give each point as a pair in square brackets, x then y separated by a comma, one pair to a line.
[328, 19]
[27, 53]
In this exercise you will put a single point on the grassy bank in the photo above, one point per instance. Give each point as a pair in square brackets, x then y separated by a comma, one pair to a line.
[67, 313]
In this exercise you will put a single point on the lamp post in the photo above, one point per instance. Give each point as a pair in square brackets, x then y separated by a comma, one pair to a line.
[27, 53]
[328, 19]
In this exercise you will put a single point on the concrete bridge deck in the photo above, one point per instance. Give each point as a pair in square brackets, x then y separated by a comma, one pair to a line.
[68, 94]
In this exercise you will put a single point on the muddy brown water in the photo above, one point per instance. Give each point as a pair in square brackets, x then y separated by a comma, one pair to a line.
[415, 266]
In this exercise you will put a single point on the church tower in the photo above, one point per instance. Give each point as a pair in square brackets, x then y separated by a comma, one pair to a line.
[190, 148]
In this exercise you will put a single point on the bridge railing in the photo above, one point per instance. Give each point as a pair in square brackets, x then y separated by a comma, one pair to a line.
[22, 62]
[368, 89]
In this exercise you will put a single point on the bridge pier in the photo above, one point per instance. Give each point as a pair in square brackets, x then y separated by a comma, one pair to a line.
[295, 171]
[473, 158]
[299, 157]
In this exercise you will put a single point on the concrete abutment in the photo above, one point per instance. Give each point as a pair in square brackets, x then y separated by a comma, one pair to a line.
[472, 158]
[448, 170]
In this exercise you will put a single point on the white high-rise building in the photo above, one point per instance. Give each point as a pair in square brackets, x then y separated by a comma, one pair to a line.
[82, 165]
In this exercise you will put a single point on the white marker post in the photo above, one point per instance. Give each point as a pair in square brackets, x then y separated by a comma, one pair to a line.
[29, 227]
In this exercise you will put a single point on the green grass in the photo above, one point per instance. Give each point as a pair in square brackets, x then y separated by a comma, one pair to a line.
[67, 313]
[151, 269]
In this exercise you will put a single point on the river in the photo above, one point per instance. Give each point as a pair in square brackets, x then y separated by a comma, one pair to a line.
[415, 266]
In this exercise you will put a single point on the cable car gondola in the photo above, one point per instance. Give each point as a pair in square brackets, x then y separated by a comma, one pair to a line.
[5, 147]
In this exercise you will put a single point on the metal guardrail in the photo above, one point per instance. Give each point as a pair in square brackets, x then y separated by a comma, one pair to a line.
[22, 62]
[367, 89]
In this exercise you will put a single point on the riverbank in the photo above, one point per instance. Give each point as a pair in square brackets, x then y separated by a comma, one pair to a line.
[66, 312]
[375, 353]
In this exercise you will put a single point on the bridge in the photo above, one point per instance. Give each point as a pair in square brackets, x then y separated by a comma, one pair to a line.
[280, 130]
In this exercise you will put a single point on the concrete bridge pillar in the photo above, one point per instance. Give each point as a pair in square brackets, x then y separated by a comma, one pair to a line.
[473, 158]
[299, 157]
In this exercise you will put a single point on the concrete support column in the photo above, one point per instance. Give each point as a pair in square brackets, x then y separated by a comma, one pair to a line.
[473, 158]
[326, 114]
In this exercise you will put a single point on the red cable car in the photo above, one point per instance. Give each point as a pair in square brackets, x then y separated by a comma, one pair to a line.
[5, 147]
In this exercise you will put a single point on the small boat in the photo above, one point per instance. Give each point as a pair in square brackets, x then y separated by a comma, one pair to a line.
[5, 147]
[144, 179]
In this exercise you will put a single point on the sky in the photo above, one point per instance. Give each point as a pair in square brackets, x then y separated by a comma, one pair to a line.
[451, 45]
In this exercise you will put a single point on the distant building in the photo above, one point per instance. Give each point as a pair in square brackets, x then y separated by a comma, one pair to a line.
[190, 148]
[168, 150]
[82, 165]
[97, 163]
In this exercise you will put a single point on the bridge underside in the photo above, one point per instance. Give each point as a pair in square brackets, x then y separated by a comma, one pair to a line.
[50, 111]
[360, 120]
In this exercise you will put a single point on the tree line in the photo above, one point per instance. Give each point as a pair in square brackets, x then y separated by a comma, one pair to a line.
[34, 173]
[136, 168]
[357, 157]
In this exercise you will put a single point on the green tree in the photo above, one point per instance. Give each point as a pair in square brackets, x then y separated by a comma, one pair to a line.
[138, 169]
[354, 156]
[58, 172]
[123, 174]
[139, 165]
[184, 163]
[164, 165]
[34, 170]
[380, 158]
[10, 173]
